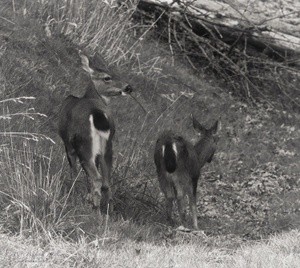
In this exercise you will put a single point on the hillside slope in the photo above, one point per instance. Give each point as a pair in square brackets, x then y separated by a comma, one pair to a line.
[249, 191]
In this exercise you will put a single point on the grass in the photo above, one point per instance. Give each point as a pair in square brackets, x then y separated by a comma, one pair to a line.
[279, 251]
[249, 191]
[30, 195]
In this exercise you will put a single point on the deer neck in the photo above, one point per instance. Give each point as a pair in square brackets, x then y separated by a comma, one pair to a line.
[92, 93]
[204, 149]
[198, 145]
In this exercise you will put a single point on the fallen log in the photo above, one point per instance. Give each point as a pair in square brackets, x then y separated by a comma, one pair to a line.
[232, 27]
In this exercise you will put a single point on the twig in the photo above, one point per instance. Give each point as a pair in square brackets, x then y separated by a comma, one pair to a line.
[7, 20]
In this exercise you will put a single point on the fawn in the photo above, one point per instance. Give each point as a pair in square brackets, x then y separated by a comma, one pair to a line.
[178, 164]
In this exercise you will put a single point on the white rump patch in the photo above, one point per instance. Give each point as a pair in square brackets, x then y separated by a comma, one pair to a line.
[163, 150]
[174, 148]
[99, 139]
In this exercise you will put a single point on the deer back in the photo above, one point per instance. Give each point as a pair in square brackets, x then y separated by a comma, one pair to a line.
[76, 115]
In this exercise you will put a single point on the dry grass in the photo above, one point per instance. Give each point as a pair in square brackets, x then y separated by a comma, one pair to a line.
[103, 26]
[279, 251]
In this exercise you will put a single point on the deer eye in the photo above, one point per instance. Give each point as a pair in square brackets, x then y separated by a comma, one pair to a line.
[107, 79]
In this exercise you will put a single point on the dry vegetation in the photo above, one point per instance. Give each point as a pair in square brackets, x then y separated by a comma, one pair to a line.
[230, 39]
[249, 191]
[279, 251]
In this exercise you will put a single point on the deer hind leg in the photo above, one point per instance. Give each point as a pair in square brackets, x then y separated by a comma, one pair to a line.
[193, 209]
[180, 194]
[72, 157]
[168, 190]
[169, 208]
[105, 188]
[170, 197]
[181, 207]
[94, 179]
[193, 201]
[87, 159]
[108, 157]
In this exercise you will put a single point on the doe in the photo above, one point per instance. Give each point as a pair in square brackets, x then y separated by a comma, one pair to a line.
[178, 164]
[87, 129]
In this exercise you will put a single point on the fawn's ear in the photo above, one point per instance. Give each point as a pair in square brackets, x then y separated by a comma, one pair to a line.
[197, 126]
[214, 128]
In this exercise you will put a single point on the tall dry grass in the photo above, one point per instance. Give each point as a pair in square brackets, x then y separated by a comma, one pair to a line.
[30, 193]
[102, 26]
[106, 27]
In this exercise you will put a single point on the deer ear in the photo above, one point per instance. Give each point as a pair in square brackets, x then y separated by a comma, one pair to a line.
[197, 126]
[85, 63]
[214, 128]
